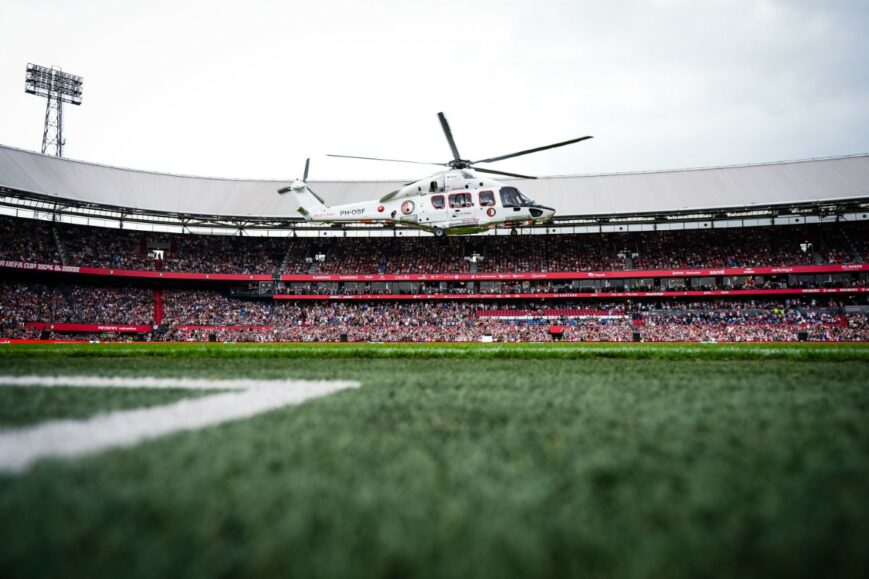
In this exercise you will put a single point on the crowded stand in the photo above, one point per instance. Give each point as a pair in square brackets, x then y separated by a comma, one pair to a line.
[28, 240]
[224, 254]
[195, 315]
[34, 241]
[61, 303]
[547, 287]
[53, 243]
[199, 315]
[22, 302]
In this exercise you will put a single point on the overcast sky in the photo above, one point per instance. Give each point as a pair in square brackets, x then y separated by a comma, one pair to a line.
[249, 89]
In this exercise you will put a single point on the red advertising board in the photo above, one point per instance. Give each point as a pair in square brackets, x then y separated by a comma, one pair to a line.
[63, 327]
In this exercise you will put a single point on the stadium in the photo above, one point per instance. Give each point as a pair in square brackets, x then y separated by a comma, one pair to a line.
[773, 252]
[650, 360]
[178, 398]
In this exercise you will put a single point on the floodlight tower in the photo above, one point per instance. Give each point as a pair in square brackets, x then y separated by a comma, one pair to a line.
[58, 87]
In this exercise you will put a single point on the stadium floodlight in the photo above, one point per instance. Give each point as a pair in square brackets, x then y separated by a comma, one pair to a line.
[57, 87]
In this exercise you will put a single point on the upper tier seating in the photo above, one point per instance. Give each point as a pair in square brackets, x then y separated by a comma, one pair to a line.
[35, 241]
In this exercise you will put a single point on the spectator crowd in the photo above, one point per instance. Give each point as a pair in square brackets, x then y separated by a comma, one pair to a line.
[22, 302]
[199, 315]
[44, 242]
[196, 314]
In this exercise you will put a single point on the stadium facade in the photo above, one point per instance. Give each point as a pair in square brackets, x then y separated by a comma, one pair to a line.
[685, 255]
[75, 191]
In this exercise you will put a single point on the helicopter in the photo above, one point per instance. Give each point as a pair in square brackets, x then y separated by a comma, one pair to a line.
[457, 201]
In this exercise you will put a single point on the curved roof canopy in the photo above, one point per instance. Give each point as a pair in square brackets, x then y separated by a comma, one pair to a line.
[739, 187]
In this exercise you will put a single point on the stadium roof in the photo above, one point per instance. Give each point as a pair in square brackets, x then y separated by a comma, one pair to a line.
[840, 179]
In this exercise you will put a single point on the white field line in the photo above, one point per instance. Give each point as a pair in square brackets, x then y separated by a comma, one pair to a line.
[21, 448]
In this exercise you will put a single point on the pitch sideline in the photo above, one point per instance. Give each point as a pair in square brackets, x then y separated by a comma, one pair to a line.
[21, 448]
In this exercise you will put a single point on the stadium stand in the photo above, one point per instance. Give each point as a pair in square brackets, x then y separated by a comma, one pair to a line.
[192, 314]
[40, 242]
[64, 306]
[22, 302]
[777, 251]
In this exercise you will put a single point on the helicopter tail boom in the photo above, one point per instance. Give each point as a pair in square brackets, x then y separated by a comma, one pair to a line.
[309, 203]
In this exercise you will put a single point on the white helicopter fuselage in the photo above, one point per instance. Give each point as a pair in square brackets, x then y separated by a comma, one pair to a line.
[451, 202]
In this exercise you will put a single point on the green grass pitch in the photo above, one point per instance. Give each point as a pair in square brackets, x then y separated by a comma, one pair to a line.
[458, 461]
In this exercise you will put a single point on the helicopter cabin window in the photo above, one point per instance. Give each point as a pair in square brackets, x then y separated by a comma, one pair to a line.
[460, 200]
[487, 198]
[438, 202]
[510, 196]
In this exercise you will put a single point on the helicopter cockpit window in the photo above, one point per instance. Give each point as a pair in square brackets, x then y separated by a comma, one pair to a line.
[487, 198]
[460, 200]
[438, 202]
[510, 196]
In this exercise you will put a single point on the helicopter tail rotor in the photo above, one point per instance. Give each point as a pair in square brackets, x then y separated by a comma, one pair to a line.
[309, 201]
[296, 184]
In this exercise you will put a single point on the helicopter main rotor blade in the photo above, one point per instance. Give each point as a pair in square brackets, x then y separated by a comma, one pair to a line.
[493, 172]
[387, 160]
[307, 164]
[529, 151]
[446, 127]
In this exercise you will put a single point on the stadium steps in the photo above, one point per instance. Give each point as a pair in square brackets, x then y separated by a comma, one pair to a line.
[855, 253]
[296, 252]
[387, 253]
[70, 303]
[288, 255]
[838, 238]
[58, 242]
